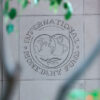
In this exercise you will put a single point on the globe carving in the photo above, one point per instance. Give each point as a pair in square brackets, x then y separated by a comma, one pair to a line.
[51, 51]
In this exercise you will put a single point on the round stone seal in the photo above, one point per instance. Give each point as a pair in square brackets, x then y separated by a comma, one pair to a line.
[51, 46]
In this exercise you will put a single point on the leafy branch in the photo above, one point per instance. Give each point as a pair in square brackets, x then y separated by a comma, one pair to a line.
[11, 13]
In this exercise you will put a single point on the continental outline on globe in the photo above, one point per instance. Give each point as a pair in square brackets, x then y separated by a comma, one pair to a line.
[51, 50]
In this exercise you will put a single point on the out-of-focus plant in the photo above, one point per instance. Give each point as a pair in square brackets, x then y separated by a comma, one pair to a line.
[80, 94]
[11, 13]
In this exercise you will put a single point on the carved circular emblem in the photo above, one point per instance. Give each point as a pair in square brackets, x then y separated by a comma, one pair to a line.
[50, 47]
[50, 51]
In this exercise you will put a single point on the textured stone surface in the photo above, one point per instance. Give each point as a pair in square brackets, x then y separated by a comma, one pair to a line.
[43, 89]
[55, 28]
[35, 83]
[92, 6]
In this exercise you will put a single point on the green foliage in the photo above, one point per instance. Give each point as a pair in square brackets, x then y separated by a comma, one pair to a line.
[12, 13]
[10, 28]
[69, 9]
[80, 94]
[6, 6]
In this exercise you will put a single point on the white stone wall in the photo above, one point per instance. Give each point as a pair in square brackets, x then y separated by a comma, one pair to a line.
[85, 22]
